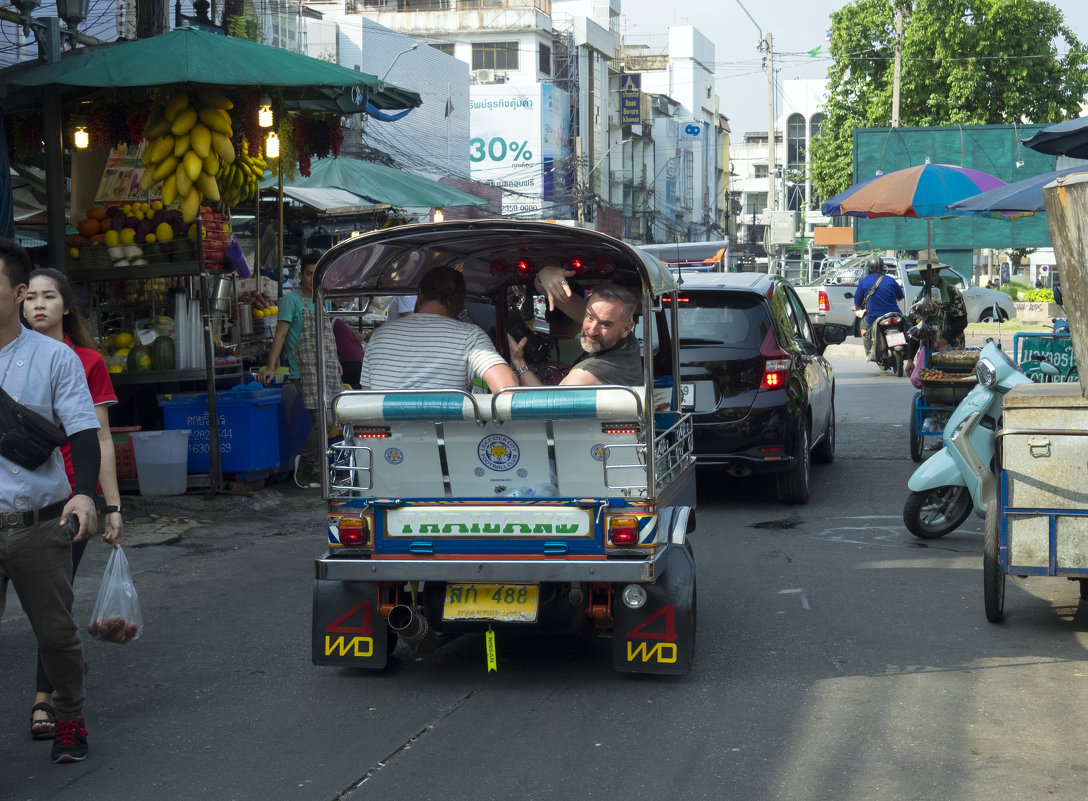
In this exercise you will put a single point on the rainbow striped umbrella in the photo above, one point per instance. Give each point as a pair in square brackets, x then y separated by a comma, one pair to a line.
[923, 192]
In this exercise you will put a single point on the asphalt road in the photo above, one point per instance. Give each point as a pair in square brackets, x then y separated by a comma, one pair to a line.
[838, 658]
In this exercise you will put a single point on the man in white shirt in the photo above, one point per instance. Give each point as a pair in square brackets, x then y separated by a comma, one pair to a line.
[432, 349]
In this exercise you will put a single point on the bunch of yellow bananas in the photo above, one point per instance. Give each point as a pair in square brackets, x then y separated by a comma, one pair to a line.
[187, 145]
[238, 179]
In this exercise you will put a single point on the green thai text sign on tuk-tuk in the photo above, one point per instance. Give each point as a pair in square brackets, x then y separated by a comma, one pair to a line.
[542, 508]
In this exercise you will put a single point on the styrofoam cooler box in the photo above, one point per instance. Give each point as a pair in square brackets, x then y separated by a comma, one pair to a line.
[249, 439]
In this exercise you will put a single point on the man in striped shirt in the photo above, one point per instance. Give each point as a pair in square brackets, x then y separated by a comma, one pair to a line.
[432, 349]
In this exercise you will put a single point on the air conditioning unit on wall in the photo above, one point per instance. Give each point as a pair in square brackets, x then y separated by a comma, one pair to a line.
[483, 76]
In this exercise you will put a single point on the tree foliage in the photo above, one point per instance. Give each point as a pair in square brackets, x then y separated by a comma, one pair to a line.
[963, 62]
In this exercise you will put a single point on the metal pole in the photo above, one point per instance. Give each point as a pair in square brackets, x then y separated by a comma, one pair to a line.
[898, 68]
[772, 197]
[54, 150]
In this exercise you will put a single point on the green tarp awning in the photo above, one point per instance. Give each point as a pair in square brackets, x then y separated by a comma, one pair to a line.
[188, 55]
[380, 184]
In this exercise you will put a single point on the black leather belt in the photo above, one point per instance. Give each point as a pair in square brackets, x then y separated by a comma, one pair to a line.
[24, 519]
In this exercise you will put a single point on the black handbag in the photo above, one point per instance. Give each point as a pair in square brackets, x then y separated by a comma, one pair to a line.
[28, 439]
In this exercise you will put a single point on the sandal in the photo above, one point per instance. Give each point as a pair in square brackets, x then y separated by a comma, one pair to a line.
[48, 726]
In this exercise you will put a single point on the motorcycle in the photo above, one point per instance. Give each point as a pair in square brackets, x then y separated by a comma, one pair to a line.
[890, 342]
[960, 478]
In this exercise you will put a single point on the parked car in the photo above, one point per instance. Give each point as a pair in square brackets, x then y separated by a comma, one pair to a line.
[979, 300]
[754, 376]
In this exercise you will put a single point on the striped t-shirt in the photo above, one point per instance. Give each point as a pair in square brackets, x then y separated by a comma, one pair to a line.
[427, 351]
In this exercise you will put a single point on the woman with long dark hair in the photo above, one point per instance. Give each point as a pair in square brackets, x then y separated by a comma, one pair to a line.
[50, 309]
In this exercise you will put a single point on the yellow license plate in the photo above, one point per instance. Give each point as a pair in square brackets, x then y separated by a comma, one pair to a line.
[509, 603]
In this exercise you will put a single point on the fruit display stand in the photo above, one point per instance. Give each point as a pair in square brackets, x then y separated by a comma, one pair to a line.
[198, 281]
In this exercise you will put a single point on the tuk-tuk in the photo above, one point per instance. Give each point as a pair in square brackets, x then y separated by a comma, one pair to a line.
[562, 508]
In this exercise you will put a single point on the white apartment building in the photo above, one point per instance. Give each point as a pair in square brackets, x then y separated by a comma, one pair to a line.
[539, 84]
[799, 120]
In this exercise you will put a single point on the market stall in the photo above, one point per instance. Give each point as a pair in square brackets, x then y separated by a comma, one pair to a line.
[168, 135]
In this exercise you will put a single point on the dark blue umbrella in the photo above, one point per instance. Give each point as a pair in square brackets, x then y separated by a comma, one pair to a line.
[1069, 138]
[1020, 197]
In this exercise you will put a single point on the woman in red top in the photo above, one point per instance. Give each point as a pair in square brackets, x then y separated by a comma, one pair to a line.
[50, 309]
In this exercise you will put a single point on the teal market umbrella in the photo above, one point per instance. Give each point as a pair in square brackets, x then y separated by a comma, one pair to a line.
[380, 184]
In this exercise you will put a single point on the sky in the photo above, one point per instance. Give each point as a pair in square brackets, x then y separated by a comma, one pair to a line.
[796, 26]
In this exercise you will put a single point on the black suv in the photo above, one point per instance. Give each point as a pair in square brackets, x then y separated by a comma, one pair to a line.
[753, 375]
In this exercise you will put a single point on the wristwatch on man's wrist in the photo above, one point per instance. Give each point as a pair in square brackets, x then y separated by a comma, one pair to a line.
[519, 372]
[110, 509]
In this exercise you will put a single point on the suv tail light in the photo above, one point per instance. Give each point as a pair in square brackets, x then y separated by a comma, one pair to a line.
[776, 363]
[825, 304]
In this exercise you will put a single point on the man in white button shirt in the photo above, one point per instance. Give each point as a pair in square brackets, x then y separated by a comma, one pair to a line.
[46, 376]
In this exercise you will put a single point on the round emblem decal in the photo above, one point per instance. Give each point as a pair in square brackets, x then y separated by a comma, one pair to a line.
[522, 472]
[597, 452]
[498, 452]
[479, 471]
[394, 455]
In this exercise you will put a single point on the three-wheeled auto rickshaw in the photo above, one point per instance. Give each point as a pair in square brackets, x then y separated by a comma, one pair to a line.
[555, 507]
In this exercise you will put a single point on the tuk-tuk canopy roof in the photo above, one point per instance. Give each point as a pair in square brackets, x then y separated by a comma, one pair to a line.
[487, 252]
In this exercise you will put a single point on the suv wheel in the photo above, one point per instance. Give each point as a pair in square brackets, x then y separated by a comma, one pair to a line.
[793, 485]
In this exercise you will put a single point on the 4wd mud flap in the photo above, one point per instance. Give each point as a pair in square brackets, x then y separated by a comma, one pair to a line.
[659, 637]
[347, 627]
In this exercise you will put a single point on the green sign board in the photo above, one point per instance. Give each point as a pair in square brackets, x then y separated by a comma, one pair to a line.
[995, 149]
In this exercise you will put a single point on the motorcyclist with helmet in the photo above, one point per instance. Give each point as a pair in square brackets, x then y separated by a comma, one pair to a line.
[878, 294]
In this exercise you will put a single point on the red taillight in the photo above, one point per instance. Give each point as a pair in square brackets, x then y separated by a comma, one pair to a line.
[623, 530]
[578, 265]
[619, 428]
[776, 364]
[524, 267]
[825, 305]
[354, 532]
[371, 432]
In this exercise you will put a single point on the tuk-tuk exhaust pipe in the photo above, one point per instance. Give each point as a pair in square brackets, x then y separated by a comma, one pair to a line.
[412, 628]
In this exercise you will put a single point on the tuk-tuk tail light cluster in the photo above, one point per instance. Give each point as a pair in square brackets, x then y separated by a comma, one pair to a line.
[354, 532]
[623, 530]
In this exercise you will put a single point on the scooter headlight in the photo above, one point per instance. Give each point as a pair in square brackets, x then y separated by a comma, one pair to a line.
[986, 373]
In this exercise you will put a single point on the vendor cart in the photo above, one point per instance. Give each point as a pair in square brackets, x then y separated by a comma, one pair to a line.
[947, 378]
[1038, 523]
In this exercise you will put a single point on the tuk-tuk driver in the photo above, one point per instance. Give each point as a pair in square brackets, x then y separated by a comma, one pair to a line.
[611, 355]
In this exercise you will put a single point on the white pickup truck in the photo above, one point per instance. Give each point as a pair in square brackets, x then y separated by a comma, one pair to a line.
[830, 299]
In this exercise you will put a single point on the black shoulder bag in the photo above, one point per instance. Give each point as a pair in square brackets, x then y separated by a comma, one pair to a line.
[28, 439]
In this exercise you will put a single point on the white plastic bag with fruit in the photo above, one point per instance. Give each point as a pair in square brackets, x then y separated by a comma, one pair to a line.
[116, 616]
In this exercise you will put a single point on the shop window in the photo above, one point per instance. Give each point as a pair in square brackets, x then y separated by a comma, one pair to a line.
[544, 62]
[444, 47]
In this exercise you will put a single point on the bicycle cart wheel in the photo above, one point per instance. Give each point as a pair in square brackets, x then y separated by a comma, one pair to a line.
[992, 574]
[916, 445]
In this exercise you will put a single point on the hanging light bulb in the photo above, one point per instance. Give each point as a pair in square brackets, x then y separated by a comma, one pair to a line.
[272, 146]
[81, 138]
[438, 215]
[264, 113]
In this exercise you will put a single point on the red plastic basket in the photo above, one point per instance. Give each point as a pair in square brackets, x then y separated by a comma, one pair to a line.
[122, 447]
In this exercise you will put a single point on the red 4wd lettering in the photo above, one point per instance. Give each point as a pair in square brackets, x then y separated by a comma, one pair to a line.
[362, 645]
[664, 651]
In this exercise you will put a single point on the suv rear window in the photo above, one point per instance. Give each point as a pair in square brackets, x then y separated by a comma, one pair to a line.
[715, 317]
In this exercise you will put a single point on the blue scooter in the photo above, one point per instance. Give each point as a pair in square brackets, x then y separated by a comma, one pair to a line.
[960, 477]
